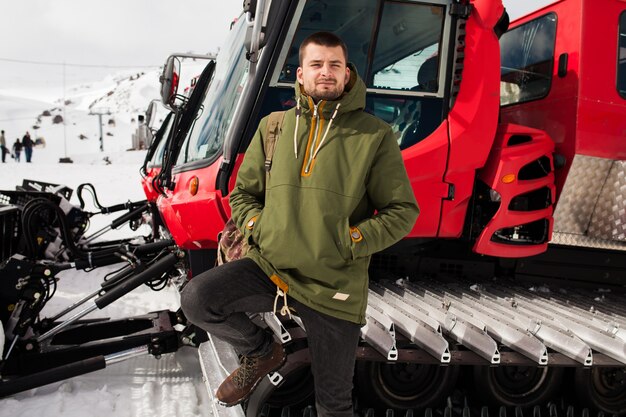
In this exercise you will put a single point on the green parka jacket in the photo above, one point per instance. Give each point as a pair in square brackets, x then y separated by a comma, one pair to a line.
[315, 224]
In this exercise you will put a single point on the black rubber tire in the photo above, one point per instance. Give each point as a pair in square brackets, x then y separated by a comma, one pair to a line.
[602, 388]
[296, 391]
[403, 385]
[517, 386]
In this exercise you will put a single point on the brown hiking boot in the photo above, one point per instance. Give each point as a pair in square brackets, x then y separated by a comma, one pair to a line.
[240, 384]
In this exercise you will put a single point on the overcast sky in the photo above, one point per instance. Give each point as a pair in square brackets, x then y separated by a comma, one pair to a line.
[517, 8]
[133, 33]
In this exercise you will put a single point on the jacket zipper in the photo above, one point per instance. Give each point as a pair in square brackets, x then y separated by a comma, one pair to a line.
[316, 134]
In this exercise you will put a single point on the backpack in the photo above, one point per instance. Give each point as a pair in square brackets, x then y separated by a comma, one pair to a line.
[231, 244]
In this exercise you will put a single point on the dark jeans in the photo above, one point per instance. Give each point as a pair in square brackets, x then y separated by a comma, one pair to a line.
[218, 299]
[4, 151]
[29, 153]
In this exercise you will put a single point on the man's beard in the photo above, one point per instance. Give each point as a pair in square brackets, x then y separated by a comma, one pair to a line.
[326, 94]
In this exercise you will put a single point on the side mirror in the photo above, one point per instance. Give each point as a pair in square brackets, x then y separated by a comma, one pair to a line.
[257, 12]
[169, 80]
[150, 113]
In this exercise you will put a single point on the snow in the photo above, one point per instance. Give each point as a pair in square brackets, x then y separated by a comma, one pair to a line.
[143, 386]
[151, 388]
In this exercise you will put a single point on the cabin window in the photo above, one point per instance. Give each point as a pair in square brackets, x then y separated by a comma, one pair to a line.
[395, 46]
[388, 51]
[527, 60]
[407, 48]
[621, 56]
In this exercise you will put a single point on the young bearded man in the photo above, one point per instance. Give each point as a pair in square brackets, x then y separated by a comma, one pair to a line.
[337, 193]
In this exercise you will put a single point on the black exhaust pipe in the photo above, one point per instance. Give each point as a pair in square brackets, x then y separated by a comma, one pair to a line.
[60, 373]
[154, 271]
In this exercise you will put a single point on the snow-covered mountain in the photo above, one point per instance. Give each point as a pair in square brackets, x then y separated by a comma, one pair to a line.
[126, 92]
[66, 126]
[69, 126]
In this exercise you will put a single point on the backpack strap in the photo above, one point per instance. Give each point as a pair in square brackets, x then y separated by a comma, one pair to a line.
[274, 125]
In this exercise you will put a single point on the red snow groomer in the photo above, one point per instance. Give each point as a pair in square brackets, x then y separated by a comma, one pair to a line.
[508, 294]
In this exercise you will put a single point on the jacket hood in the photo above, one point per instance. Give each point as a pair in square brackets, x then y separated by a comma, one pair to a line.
[353, 97]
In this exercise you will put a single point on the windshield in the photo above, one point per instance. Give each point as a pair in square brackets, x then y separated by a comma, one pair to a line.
[206, 136]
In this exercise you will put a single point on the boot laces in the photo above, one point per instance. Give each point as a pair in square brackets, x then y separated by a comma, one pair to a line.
[246, 372]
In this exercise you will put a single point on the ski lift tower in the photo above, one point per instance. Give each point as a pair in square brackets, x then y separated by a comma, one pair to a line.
[65, 159]
[100, 111]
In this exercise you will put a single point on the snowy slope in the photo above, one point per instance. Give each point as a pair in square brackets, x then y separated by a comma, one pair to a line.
[120, 97]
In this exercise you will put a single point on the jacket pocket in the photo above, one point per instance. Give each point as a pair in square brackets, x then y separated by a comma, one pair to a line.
[255, 233]
[343, 240]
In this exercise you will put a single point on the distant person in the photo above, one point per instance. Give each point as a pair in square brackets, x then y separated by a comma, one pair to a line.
[17, 149]
[27, 143]
[3, 147]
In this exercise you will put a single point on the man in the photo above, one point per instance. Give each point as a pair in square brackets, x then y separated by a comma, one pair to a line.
[312, 228]
[3, 147]
[27, 143]
[17, 149]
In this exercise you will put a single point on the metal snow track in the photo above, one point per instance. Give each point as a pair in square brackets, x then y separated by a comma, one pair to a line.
[544, 327]
[453, 323]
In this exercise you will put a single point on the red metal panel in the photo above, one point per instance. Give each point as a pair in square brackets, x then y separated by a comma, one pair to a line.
[146, 184]
[602, 111]
[425, 164]
[504, 160]
[473, 119]
[172, 222]
[195, 220]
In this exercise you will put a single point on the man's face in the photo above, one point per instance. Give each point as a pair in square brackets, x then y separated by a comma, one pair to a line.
[323, 73]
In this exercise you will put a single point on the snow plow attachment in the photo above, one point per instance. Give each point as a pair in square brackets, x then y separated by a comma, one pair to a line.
[38, 221]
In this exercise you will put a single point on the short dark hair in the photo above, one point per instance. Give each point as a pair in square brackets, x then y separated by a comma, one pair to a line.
[323, 39]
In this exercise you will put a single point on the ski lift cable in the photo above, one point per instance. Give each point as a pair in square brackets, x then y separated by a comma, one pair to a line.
[21, 61]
